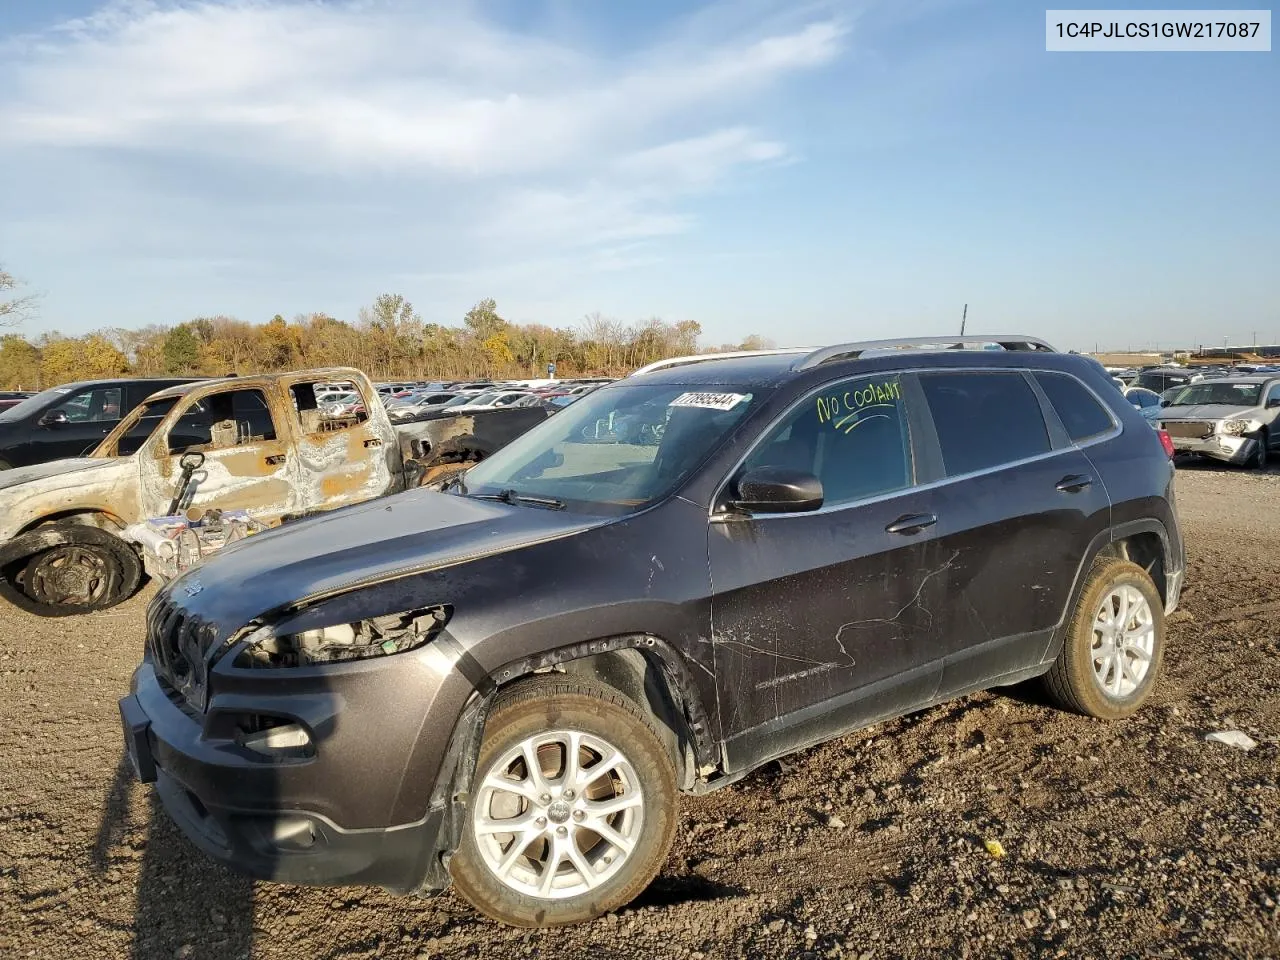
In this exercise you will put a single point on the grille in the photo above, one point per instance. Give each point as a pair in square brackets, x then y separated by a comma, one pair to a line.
[178, 642]
[1188, 429]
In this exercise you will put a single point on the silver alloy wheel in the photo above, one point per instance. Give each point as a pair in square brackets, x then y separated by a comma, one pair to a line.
[558, 814]
[1124, 641]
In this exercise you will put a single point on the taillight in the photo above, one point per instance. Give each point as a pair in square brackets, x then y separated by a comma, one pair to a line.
[1167, 442]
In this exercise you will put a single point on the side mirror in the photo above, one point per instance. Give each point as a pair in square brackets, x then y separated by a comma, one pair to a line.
[777, 490]
[1273, 402]
[1165, 403]
[54, 418]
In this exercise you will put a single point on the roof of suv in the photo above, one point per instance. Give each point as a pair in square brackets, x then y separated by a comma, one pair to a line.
[773, 367]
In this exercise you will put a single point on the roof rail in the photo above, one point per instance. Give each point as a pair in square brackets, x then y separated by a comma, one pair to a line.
[699, 357]
[852, 351]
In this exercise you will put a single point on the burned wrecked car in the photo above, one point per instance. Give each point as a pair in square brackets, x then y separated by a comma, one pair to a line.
[508, 684]
[447, 442]
[214, 460]
[1236, 419]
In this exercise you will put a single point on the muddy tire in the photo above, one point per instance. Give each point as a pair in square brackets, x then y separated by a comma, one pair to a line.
[573, 805]
[1114, 648]
[89, 570]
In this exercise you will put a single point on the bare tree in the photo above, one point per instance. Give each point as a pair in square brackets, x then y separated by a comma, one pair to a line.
[14, 310]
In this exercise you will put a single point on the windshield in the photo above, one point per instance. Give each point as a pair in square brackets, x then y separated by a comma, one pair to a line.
[1220, 391]
[459, 400]
[483, 400]
[615, 449]
[1161, 381]
[32, 404]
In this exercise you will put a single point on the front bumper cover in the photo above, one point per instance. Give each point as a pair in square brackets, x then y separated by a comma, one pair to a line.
[1218, 446]
[234, 807]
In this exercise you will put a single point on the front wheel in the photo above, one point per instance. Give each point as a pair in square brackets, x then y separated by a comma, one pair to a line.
[573, 805]
[1261, 452]
[1114, 647]
[90, 570]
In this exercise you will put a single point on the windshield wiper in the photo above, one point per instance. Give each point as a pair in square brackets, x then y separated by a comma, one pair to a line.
[512, 497]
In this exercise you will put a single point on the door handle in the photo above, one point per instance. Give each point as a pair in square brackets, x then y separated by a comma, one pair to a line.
[1074, 483]
[275, 459]
[911, 523]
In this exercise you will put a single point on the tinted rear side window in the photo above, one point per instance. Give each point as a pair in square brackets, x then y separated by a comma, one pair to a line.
[984, 419]
[1077, 408]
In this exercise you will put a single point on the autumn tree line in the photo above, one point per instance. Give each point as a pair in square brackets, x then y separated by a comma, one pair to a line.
[388, 340]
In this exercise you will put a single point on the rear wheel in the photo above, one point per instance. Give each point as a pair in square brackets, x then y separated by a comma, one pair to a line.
[1114, 648]
[573, 805]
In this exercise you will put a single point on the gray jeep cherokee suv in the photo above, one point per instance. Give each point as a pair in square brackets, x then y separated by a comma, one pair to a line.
[683, 575]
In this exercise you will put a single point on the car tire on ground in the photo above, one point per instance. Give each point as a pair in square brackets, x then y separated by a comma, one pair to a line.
[580, 779]
[90, 570]
[1261, 452]
[1114, 648]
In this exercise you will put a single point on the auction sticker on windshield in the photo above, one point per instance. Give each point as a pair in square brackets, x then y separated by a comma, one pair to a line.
[710, 401]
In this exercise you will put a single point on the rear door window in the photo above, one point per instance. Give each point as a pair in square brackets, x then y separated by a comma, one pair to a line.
[984, 420]
[1077, 408]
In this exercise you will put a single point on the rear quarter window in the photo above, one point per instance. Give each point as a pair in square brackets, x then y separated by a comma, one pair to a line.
[984, 420]
[1077, 408]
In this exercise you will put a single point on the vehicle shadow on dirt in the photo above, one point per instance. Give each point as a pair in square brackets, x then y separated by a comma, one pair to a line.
[188, 907]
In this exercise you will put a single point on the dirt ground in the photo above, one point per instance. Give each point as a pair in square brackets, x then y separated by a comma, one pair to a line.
[1133, 839]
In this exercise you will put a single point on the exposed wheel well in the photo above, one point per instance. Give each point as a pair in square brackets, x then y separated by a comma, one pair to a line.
[88, 518]
[654, 677]
[641, 679]
[1147, 551]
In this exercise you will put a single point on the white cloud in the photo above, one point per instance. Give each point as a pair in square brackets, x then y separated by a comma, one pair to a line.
[360, 85]
[477, 146]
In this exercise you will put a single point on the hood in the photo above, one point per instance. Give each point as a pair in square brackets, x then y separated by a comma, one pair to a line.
[55, 468]
[1204, 411]
[404, 534]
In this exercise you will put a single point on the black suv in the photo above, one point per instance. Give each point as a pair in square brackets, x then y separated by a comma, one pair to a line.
[70, 420]
[681, 576]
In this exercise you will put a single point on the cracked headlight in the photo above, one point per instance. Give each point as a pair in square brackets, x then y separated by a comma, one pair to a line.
[375, 637]
[1237, 428]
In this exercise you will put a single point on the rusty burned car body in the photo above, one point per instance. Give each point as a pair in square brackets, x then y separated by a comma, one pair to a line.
[450, 443]
[263, 447]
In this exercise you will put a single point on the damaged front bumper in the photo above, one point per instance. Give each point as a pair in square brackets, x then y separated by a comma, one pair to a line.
[265, 817]
[1218, 446]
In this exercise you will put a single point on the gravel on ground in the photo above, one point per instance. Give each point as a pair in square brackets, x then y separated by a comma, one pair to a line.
[990, 826]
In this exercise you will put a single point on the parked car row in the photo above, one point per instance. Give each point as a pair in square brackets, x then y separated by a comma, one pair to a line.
[1231, 417]
[441, 399]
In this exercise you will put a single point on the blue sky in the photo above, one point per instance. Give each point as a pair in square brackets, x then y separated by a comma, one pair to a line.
[809, 171]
